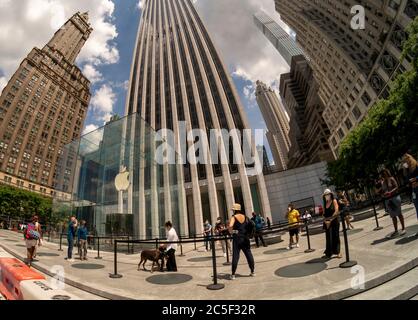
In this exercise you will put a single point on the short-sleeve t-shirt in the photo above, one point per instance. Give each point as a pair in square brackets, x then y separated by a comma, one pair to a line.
[293, 217]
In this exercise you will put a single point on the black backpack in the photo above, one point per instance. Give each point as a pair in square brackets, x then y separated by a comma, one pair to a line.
[250, 228]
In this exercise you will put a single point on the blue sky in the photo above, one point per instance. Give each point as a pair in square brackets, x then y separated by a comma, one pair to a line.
[106, 57]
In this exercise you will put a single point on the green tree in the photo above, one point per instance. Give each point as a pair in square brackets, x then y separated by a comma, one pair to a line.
[387, 132]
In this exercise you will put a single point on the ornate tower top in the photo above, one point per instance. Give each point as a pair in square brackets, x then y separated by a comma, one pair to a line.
[72, 36]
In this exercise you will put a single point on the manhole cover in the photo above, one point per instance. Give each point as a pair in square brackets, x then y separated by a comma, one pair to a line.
[300, 270]
[169, 279]
[61, 297]
[87, 266]
[48, 254]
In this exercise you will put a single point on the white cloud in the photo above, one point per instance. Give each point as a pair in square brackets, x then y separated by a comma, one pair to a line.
[246, 51]
[3, 83]
[102, 102]
[92, 73]
[89, 128]
[25, 24]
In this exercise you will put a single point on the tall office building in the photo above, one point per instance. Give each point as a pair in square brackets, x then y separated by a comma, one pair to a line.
[43, 107]
[308, 131]
[286, 46]
[176, 76]
[354, 68]
[277, 124]
[306, 139]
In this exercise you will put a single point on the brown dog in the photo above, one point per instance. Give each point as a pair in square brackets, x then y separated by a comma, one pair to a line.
[153, 255]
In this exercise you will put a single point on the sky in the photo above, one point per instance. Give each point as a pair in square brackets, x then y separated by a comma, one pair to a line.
[107, 55]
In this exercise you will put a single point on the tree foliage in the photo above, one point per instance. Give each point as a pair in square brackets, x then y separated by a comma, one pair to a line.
[388, 131]
[22, 204]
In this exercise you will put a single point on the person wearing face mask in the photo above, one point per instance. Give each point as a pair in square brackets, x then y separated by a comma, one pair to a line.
[331, 225]
[172, 247]
[392, 203]
[293, 217]
[222, 230]
[411, 166]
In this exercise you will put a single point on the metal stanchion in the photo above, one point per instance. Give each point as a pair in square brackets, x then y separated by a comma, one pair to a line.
[60, 249]
[195, 248]
[156, 243]
[115, 274]
[49, 234]
[129, 246]
[375, 215]
[309, 250]
[347, 263]
[227, 263]
[98, 249]
[215, 285]
[181, 248]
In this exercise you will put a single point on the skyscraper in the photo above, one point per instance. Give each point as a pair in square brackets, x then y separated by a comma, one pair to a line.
[43, 107]
[277, 124]
[354, 68]
[308, 131]
[177, 75]
[286, 46]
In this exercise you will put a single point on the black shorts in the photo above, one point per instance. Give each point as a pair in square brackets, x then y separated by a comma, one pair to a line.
[294, 232]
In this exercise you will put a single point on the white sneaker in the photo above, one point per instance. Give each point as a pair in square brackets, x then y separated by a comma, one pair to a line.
[252, 274]
[297, 245]
[232, 277]
[224, 255]
[70, 260]
[403, 232]
[288, 247]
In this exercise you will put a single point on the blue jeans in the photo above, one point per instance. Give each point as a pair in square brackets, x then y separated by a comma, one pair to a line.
[70, 247]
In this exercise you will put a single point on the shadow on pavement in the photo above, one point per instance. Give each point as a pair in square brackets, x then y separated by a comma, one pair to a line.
[169, 279]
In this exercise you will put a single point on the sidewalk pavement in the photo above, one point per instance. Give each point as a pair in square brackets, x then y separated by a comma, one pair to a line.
[280, 274]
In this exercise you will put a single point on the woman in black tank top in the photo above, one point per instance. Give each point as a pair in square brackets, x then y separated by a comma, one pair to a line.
[331, 225]
[238, 226]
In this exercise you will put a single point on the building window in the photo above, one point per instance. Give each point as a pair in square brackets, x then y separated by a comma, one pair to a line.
[348, 124]
[341, 133]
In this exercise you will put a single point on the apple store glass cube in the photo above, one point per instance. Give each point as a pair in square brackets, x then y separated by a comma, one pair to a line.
[111, 179]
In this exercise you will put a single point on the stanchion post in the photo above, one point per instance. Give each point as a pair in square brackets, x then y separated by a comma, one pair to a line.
[195, 248]
[309, 250]
[215, 285]
[156, 243]
[129, 246]
[347, 263]
[227, 263]
[98, 249]
[115, 274]
[181, 247]
[375, 214]
[60, 249]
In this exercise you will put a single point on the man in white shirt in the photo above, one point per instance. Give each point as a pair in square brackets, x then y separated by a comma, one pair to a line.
[171, 247]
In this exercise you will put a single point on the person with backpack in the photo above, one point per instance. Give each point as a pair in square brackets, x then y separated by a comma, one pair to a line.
[242, 229]
[82, 233]
[222, 230]
[71, 233]
[259, 224]
[32, 235]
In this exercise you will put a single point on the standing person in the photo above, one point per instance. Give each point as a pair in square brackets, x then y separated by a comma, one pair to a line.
[293, 217]
[222, 230]
[38, 227]
[392, 204]
[258, 221]
[343, 205]
[240, 227]
[207, 229]
[268, 223]
[71, 233]
[172, 247]
[32, 235]
[331, 225]
[411, 165]
[82, 233]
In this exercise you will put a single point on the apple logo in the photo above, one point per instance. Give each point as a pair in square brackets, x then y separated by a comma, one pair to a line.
[122, 180]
